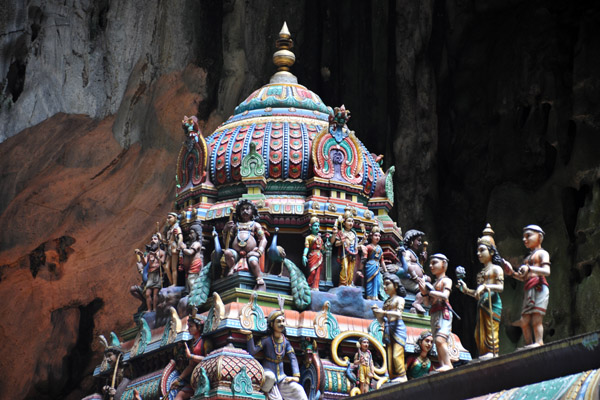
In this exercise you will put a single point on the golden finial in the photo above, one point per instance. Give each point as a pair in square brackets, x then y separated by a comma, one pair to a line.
[283, 58]
[488, 236]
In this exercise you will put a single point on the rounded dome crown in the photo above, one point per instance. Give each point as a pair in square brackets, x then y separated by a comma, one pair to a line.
[282, 95]
[281, 121]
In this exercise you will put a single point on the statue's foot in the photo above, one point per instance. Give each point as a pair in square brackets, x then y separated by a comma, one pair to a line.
[444, 368]
[399, 379]
[260, 284]
[419, 308]
[532, 345]
[486, 356]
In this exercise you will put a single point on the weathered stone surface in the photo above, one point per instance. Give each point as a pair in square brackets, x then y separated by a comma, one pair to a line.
[344, 300]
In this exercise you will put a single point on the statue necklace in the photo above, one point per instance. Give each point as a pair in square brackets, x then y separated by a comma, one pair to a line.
[246, 228]
[424, 361]
[279, 348]
[417, 258]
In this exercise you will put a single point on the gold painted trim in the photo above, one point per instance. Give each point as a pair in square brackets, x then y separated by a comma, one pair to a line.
[266, 119]
[345, 335]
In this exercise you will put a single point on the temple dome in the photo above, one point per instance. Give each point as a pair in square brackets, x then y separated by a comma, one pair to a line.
[282, 119]
[282, 95]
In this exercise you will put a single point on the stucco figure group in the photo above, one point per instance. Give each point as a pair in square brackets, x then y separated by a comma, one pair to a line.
[246, 243]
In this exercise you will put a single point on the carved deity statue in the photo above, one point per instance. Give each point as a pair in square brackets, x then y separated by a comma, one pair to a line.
[193, 259]
[194, 356]
[276, 348]
[421, 365]
[346, 241]
[441, 312]
[149, 264]
[390, 317]
[174, 241]
[415, 254]
[112, 362]
[248, 243]
[363, 361]
[490, 283]
[312, 257]
[374, 265]
[535, 269]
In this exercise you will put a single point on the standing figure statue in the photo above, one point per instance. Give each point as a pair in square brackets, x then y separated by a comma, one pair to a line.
[312, 258]
[421, 365]
[174, 239]
[374, 265]
[152, 261]
[413, 242]
[276, 348]
[363, 360]
[441, 312]
[390, 317]
[248, 243]
[346, 241]
[535, 269]
[193, 259]
[490, 283]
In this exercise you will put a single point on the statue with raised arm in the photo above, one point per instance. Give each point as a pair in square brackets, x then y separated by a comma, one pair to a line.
[174, 240]
[194, 356]
[248, 243]
[535, 269]
[394, 334]
[149, 265]
[374, 265]
[193, 259]
[346, 241]
[437, 296]
[277, 385]
[312, 257]
[490, 283]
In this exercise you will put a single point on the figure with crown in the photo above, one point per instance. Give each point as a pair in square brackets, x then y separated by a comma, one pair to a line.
[490, 283]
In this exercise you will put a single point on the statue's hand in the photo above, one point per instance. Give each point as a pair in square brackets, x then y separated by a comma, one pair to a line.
[175, 384]
[111, 391]
[391, 268]
[304, 260]
[508, 268]
[292, 379]
[188, 353]
[377, 312]
[523, 270]
[479, 291]
[246, 332]
[461, 285]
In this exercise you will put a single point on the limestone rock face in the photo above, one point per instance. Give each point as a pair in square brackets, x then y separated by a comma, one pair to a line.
[77, 57]
[489, 111]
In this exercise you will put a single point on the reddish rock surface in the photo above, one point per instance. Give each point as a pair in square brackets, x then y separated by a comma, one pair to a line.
[75, 205]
